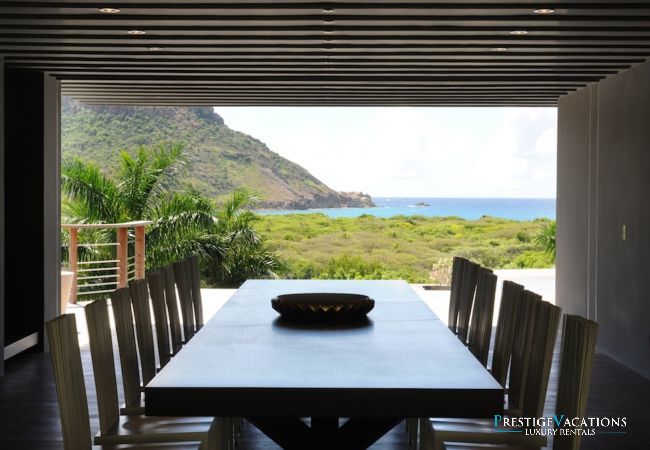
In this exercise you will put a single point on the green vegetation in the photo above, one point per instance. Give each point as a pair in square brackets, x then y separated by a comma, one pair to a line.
[184, 221]
[546, 239]
[154, 183]
[415, 248]
[222, 159]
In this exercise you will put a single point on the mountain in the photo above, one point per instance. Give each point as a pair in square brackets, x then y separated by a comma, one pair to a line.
[221, 159]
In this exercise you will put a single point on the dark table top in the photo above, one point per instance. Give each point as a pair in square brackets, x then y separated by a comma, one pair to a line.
[404, 362]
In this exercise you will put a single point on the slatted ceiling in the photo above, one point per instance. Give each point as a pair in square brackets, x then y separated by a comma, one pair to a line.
[325, 53]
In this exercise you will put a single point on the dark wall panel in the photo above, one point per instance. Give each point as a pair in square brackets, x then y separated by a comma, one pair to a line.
[604, 189]
[24, 290]
[2, 214]
[623, 273]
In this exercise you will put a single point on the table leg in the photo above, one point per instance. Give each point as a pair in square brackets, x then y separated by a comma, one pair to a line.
[360, 433]
[325, 434]
[288, 433]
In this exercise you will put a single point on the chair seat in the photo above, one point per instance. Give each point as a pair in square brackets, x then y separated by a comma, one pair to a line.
[162, 446]
[136, 409]
[479, 431]
[142, 429]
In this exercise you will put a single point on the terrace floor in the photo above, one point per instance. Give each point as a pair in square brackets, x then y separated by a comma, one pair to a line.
[29, 410]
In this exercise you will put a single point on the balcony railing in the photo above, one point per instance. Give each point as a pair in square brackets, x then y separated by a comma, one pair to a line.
[102, 267]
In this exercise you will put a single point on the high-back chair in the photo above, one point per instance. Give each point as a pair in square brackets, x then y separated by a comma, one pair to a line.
[143, 328]
[578, 348]
[457, 267]
[184, 285]
[480, 330]
[71, 390]
[171, 300]
[197, 299]
[123, 315]
[579, 337]
[156, 284]
[503, 338]
[541, 357]
[525, 315]
[439, 431]
[69, 380]
[132, 429]
[101, 352]
[466, 298]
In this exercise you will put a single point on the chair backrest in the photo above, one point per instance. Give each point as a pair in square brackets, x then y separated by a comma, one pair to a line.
[480, 330]
[197, 300]
[547, 319]
[157, 292]
[69, 381]
[171, 300]
[121, 303]
[143, 328]
[101, 350]
[510, 295]
[466, 299]
[525, 311]
[456, 277]
[578, 348]
[182, 276]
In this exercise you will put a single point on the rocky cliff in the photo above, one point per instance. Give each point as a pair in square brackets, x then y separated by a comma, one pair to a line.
[221, 159]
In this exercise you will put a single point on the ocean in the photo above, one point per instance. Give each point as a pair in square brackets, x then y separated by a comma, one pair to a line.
[467, 208]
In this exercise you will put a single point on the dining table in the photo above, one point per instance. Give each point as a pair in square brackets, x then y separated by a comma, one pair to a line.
[317, 385]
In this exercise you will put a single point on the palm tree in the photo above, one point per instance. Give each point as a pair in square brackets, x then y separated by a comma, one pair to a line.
[245, 254]
[184, 223]
[546, 239]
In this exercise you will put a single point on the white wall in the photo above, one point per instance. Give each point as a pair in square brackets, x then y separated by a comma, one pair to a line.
[52, 196]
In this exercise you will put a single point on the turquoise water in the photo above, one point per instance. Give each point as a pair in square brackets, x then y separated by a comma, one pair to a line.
[467, 208]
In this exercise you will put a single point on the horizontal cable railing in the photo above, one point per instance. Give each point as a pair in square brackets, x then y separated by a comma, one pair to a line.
[101, 267]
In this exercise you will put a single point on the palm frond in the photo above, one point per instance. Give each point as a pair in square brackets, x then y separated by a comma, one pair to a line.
[84, 183]
[546, 239]
[148, 174]
[237, 205]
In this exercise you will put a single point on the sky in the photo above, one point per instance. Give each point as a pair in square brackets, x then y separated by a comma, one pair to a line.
[413, 152]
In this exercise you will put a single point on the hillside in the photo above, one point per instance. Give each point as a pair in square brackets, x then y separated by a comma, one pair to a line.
[221, 159]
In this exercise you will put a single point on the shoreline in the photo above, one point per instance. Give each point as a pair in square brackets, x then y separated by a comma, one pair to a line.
[520, 209]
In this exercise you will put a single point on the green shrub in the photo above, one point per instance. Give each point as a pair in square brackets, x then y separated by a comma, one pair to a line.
[397, 247]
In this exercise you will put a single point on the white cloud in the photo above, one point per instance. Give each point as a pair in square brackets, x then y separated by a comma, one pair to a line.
[444, 152]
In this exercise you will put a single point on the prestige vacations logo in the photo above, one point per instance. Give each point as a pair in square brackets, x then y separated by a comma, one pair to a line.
[560, 424]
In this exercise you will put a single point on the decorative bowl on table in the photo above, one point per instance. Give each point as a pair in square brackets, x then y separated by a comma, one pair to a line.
[323, 306]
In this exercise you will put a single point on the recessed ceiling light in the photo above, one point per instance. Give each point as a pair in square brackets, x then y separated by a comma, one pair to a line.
[544, 11]
[499, 49]
[136, 32]
[109, 10]
[519, 32]
[155, 49]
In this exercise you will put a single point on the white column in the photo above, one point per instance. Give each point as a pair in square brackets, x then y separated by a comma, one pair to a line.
[51, 197]
[2, 217]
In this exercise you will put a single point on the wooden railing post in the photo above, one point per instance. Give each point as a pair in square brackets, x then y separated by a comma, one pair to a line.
[122, 257]
[103, 274]
[72, 262]
[139, 251]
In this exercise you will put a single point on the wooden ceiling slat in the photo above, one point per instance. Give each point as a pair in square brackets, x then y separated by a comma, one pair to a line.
[419, 52]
